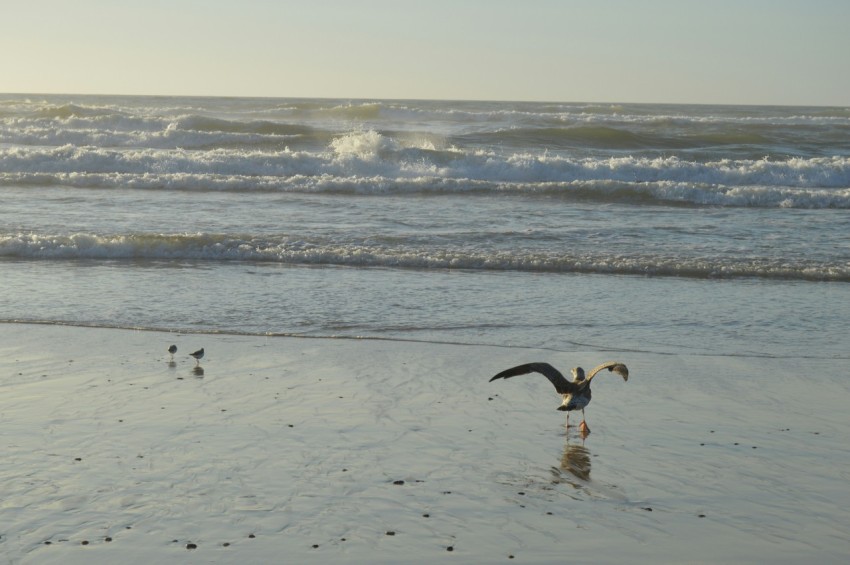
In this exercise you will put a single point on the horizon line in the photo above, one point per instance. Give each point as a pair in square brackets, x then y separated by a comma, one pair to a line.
[414, 99]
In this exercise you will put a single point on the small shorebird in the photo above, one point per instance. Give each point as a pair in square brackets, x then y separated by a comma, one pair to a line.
[172, 349]
[198, 355]
[576, 393]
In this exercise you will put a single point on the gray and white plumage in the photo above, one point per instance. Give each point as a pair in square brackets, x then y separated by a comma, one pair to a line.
[198, 355]
[576, 394]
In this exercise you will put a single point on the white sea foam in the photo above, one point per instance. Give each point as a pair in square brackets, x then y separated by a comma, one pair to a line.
[213, 247]
[368, 161]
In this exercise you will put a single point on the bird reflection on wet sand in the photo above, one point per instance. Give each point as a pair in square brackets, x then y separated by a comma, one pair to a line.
[575, 461]
[198, 371]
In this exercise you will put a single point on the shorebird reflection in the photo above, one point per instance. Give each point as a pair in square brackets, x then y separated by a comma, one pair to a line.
[576, 461]
[198, 371]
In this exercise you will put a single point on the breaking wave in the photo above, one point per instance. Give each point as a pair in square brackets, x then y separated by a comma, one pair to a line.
[227, 248]
[371, 163]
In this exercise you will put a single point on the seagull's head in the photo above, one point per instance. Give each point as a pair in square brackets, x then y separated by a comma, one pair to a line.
[578, 374]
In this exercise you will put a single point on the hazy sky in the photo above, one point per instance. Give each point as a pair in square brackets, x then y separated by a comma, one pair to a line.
[699, 51]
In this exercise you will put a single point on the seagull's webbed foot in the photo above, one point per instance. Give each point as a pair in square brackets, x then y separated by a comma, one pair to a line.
[584, 428]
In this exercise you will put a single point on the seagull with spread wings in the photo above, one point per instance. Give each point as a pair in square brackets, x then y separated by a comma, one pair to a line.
[576, 393]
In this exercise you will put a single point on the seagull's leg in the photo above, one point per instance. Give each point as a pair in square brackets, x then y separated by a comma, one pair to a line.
[583, 427]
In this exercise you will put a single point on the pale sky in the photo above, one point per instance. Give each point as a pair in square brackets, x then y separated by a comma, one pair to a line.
[681, 51]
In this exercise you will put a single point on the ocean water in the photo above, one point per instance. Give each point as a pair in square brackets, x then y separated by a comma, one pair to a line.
[713, 230]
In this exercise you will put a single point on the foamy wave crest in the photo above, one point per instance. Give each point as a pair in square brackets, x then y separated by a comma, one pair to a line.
[369, 161]
[821, 172]
[363, 145]
[221, 248]
[68, 111]
[188, 132]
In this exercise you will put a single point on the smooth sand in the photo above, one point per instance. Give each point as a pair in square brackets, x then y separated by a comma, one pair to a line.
[317, 450]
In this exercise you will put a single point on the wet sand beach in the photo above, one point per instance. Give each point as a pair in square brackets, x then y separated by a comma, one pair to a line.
[332, 451]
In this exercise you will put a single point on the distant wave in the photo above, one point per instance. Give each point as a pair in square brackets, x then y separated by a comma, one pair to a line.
[615, 127]
[57, 107]
[559, 137]
[221, 248]
[265, 127]
[181, 132]
[618, 138]
[67, 111]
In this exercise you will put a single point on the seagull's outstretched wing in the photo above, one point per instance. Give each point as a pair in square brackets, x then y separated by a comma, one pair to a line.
[613, 366]
[562, 385]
